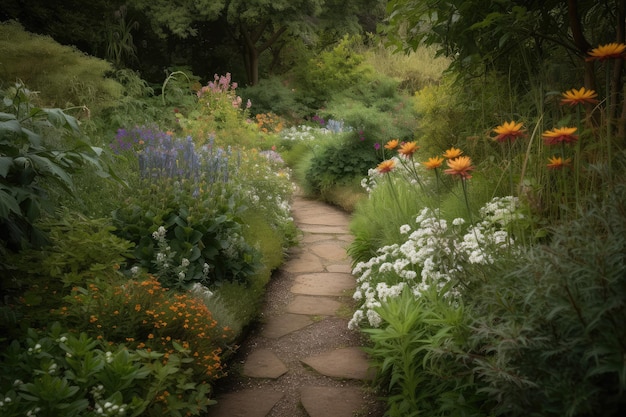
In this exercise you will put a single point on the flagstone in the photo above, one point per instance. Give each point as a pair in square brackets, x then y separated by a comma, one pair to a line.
[247, 403]
[323, 283]
[279, 326]
[313, 306]
[331, 401]
[350, 363]
[262, 363]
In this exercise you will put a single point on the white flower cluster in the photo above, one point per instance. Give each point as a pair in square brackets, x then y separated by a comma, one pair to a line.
[110, 409]
[432, 256]
[303, 133]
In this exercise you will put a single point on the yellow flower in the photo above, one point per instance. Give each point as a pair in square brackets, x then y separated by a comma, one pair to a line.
[392, 144]
[433, 163]
[559, 135]
[582, 96]
[508, 131]
[556, 162]
[386, 166]
[452, 153]
[408, 149]
[460, 166]
[608, 51]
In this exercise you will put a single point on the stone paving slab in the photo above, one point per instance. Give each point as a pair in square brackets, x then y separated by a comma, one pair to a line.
[313, 228]
[248, 403]
[345, 268]
[331, 402]
[303, 263]
[333, 251]
[313, 306]
[323, 283]
[279, 326]
[350, 363]
[262, 363]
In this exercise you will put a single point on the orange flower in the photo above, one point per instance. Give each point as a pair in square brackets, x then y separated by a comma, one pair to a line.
[608, 51]
[392, 144]
[582, 96]
[433, 163]
[556, 162]
[559, 135]
[508, 131]
[386, 166]
[460, 166]
[408, 149]
[452, 153]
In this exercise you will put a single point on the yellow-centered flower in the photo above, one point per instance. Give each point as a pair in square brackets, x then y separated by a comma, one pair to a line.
[433, 163]
[556, 162]
[582, 96]
[407, 149]
[392, 144]
[608, 51]
[508, 131]
[452, 153]
[559, 135]
[386, 166]
[460, 166]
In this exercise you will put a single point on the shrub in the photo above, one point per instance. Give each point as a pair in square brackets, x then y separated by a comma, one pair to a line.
[60, 372]
[64, 76]
[338, 162]
[549, 323]
[40, 149]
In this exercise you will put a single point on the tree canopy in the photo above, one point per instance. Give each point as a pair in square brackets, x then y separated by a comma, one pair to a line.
[151, 35]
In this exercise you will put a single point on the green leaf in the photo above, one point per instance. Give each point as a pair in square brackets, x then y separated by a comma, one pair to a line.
[5, 164]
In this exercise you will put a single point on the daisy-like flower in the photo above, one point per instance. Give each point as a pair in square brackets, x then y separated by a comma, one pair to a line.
[408, 149]
[433, 163]
[386, 166]
[460, 166]
[452, 153]
[392, 144]
[559, 135]
[608, 51]
[582, 96]
[556, 162]
[508, 131]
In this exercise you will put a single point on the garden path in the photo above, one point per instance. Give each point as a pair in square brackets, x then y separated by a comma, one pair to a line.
[302, 361]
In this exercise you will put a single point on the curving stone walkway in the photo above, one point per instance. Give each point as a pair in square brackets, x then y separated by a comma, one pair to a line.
[303, 361]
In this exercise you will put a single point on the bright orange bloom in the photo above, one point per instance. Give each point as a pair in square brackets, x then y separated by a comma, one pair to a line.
[452, 153]
[560, 135]
[460, 166]
[433, 163]
[508, 131]
[608, 51]
[582, 96]
[408, 149]
[556, 162]
[386, 166]
[392, 144]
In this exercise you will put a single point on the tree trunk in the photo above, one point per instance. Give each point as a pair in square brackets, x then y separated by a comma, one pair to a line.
[252, 52]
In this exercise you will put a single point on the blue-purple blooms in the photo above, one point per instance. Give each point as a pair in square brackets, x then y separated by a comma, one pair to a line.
[162, 155]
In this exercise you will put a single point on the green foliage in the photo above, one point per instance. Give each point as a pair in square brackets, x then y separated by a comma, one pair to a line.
[331, 73]
[64, 76]
[416, 356]
[273, 95]
[58, 372]
[338, 162]
[184, 239]
[39, 148]
[549, 324]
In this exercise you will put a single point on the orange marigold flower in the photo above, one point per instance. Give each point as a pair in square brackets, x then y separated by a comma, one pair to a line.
[556, 162]
[408, 149]
[559, 135]
[392, 144]
[433, 163]
[582, 96]
[386, 166]
[452, 153]
[460, 166]
[508, 131]
[608, 51]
